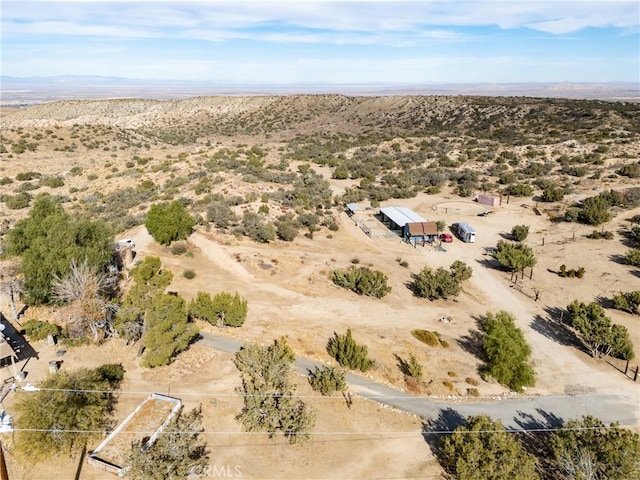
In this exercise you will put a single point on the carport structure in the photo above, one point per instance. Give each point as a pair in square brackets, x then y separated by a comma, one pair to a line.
[396, 218]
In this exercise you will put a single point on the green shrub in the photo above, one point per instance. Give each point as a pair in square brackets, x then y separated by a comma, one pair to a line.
[26, 176]
[441, 283]
[427, 337]
[179, 248]
[362, 281]
[168, 222]
[52, 182]
[628, 302]
[17, 202]
[348, 353]
[552, 193]
[189, 274]
[506, 351]
[327, 380]
[224, 309]
[38, 330]
[473, 392]
[632, 257]
[597, 235]
[520, 232]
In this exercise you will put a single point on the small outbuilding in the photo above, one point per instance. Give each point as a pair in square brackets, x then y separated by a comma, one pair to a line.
[489, 200]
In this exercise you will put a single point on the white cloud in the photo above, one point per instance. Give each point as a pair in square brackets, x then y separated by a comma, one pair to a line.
[174, 18]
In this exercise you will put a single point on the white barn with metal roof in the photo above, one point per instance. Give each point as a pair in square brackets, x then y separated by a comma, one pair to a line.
[398, 217]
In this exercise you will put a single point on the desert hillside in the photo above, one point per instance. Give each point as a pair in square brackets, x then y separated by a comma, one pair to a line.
[266, 178]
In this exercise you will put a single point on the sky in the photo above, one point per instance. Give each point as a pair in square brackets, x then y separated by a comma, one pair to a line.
[334, 42]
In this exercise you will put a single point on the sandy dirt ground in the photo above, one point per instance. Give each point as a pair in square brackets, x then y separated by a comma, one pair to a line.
[290, 294]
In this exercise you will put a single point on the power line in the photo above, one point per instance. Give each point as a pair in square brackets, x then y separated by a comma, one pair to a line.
[327, 433]
[448, 398]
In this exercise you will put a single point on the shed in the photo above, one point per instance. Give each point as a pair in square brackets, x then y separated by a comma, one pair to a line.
[489, 200]
[352, 208]
[420, 232]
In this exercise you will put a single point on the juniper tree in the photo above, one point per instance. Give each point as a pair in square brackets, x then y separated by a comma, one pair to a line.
[269, 404]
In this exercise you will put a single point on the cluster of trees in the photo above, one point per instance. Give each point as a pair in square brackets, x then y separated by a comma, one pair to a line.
[595, 210]
[49, 241]
[224, 309]
[159, 319]
[442, 283]
[581, 449]
[514, 257]
[506, 352]
[269, 404]
[362, 280]
[598, 332]
[71, 401]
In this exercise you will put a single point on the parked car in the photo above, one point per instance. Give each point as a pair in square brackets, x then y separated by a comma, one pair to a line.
[125, 243]
[446, 237]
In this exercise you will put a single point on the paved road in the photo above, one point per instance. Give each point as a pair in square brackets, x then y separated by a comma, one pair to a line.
[516, 413]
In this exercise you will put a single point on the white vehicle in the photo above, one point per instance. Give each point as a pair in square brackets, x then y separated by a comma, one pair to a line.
[466, 232]
[125, 243]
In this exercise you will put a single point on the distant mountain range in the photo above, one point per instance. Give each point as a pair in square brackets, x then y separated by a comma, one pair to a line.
[22, 91]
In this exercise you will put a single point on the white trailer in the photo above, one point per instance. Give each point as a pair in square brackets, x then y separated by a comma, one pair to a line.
[466, 233]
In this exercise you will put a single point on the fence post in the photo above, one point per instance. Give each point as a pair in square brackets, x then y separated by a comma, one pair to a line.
[626, 367]
[635, 377]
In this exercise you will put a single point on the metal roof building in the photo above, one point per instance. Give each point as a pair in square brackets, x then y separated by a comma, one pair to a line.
[398, 217]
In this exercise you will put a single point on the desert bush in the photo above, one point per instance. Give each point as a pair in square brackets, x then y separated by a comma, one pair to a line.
[506, 351]
[552, 193]
[627, 301]
[520, 232]
[362, 281]
[594, 211]
[441, 283]
[472, 381]
[327, 380]
[286, 228]
[631, 170]
[223, 309]
[473, 392]
[348, 353]
[26, 176]
[427, 337]
[18, 201]
[189, 274]
[519, 190]
[269, 402]
[254, 226]
[598, 332]
[168, 222]
[483, 449]
[179, 248]
[598, 234]
[38, 330]
[52, 182]
[571, 273]
[632, 257]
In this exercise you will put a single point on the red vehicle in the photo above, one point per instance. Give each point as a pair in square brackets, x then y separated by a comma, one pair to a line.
[446, 237]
